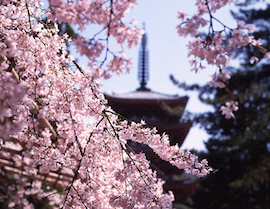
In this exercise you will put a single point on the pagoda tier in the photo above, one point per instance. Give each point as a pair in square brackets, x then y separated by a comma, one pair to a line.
[158, 110]
[166, 108]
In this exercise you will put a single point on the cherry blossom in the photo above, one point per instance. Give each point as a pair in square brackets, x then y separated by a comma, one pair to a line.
[48, 149]
[220, 80]
[229, 108]
[253, 60]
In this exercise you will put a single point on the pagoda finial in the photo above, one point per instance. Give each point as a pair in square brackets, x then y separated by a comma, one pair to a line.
[143, 74]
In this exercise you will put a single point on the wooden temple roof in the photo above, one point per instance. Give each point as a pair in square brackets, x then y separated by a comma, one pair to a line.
[146, 97]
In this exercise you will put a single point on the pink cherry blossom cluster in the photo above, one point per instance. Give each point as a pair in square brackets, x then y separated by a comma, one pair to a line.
[11, 93]
[214, 46]
[48, 149]
[229, 108]
[161, 146]
[257, 44]
[107, 17]
[220, 79]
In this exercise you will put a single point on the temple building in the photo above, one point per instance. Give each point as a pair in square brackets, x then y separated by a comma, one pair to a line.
[162, 111]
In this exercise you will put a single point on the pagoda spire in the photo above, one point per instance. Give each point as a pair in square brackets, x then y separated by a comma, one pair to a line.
[143, 70]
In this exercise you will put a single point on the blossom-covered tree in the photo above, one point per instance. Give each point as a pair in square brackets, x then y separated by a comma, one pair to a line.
[47, 147]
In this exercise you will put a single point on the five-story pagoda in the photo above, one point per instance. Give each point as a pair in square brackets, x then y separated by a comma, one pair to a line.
[163, 112]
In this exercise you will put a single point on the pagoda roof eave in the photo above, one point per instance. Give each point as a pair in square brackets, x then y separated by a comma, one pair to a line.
[146, 97]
